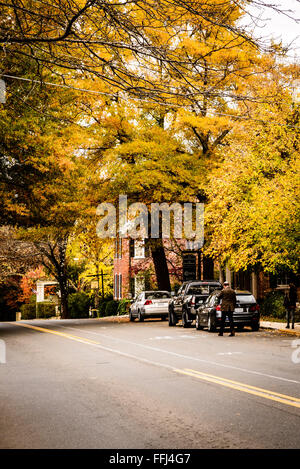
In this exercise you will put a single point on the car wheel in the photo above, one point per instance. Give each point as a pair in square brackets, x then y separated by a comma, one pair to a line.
[172, 321]
[240, 328]
[210, 326]
[255, 327]
[140, 316]
[198, 325]
[131, 318]
[163, 318]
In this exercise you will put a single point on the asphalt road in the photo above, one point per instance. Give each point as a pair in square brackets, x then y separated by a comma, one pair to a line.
[105, 384]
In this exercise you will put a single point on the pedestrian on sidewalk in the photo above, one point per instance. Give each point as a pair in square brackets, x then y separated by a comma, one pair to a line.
[290, 300]
[228, 305]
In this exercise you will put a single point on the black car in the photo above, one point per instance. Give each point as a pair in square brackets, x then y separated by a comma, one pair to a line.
[190, 295]
[246, 312]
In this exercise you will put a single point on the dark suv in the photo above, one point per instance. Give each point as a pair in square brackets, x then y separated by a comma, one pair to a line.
[246, 312]
[190, 295]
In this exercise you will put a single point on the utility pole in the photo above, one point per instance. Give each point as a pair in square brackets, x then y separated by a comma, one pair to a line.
[98, 275]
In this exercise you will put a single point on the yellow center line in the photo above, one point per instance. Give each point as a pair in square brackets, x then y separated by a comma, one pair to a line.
[247, 388]
[62, 334]
[273, 393]
[273, 396]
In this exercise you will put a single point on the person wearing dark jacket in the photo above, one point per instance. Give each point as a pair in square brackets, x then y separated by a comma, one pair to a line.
[290, 305]
[228, 305]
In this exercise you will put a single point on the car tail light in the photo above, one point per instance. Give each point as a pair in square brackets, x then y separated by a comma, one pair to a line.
[148, 302]
[254, 308]
[218, 308]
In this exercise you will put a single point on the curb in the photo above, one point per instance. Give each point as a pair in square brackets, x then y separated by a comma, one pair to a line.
[121, 318]
[282, 331]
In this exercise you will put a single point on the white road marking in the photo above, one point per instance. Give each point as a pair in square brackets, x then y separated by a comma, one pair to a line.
[272, 395]
[168, 337]
[188, 337]
[229, 353]
[164, 337]
[202, 360]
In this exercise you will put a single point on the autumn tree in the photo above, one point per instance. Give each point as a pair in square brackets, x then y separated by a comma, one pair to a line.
[43, 179]
[126, 44]
[163, 153]
[253, 210]
[136, 155]
[94, 254]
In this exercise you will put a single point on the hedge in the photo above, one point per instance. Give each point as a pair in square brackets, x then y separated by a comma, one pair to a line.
[123, 307]
[111, 308]
[39, 310]
[272, 305]
[102, 305]
[79, 304]
[28, 311]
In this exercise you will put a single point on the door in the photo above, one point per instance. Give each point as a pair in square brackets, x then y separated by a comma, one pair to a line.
[178, 301]
[139, 303]
[206, 309]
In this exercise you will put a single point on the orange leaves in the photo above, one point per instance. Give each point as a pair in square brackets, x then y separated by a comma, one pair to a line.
[28, 284]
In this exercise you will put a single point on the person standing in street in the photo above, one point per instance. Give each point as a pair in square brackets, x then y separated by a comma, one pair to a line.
[228, 304]
[290, 305]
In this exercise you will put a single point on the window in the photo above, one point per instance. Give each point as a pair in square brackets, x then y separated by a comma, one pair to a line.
[118, 248]
[157, 295]
[118, 286]
[139, 249]
[202, 289]
[243, 299]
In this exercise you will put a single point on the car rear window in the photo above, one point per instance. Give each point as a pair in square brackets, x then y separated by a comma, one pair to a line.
[242, 299]
[156, 295]
[202, 289]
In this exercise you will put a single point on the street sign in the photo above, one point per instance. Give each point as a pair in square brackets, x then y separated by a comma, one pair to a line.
[94, 284]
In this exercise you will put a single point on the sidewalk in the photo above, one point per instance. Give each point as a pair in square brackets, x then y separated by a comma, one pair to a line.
[280, 327]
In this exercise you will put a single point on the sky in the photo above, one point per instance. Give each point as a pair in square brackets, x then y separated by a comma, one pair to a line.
[279, 26]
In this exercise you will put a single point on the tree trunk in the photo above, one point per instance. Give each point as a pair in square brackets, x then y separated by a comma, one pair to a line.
[63, 286]
[208, 268]
[63, 278]
[160, 265]
[54, 259]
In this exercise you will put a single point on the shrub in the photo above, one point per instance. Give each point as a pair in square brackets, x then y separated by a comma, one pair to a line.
[39, 310]
[272, 305]
[28, 311]
[79, 304]
[102, 305]
[111, 308]
[123, 306]
[45, 310]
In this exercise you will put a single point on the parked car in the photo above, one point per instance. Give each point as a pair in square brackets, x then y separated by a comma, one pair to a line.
[190, 295]
[246, 312]
[152, 304]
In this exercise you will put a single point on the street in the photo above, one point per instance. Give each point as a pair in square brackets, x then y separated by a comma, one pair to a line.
[116, 384]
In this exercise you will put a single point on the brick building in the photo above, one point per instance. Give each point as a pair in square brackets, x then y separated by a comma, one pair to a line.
[134, 269]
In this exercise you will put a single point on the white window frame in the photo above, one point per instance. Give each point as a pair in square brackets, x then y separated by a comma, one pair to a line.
[120, 287]
[139, 249]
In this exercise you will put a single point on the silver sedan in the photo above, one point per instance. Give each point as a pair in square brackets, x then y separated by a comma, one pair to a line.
[154, 304]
